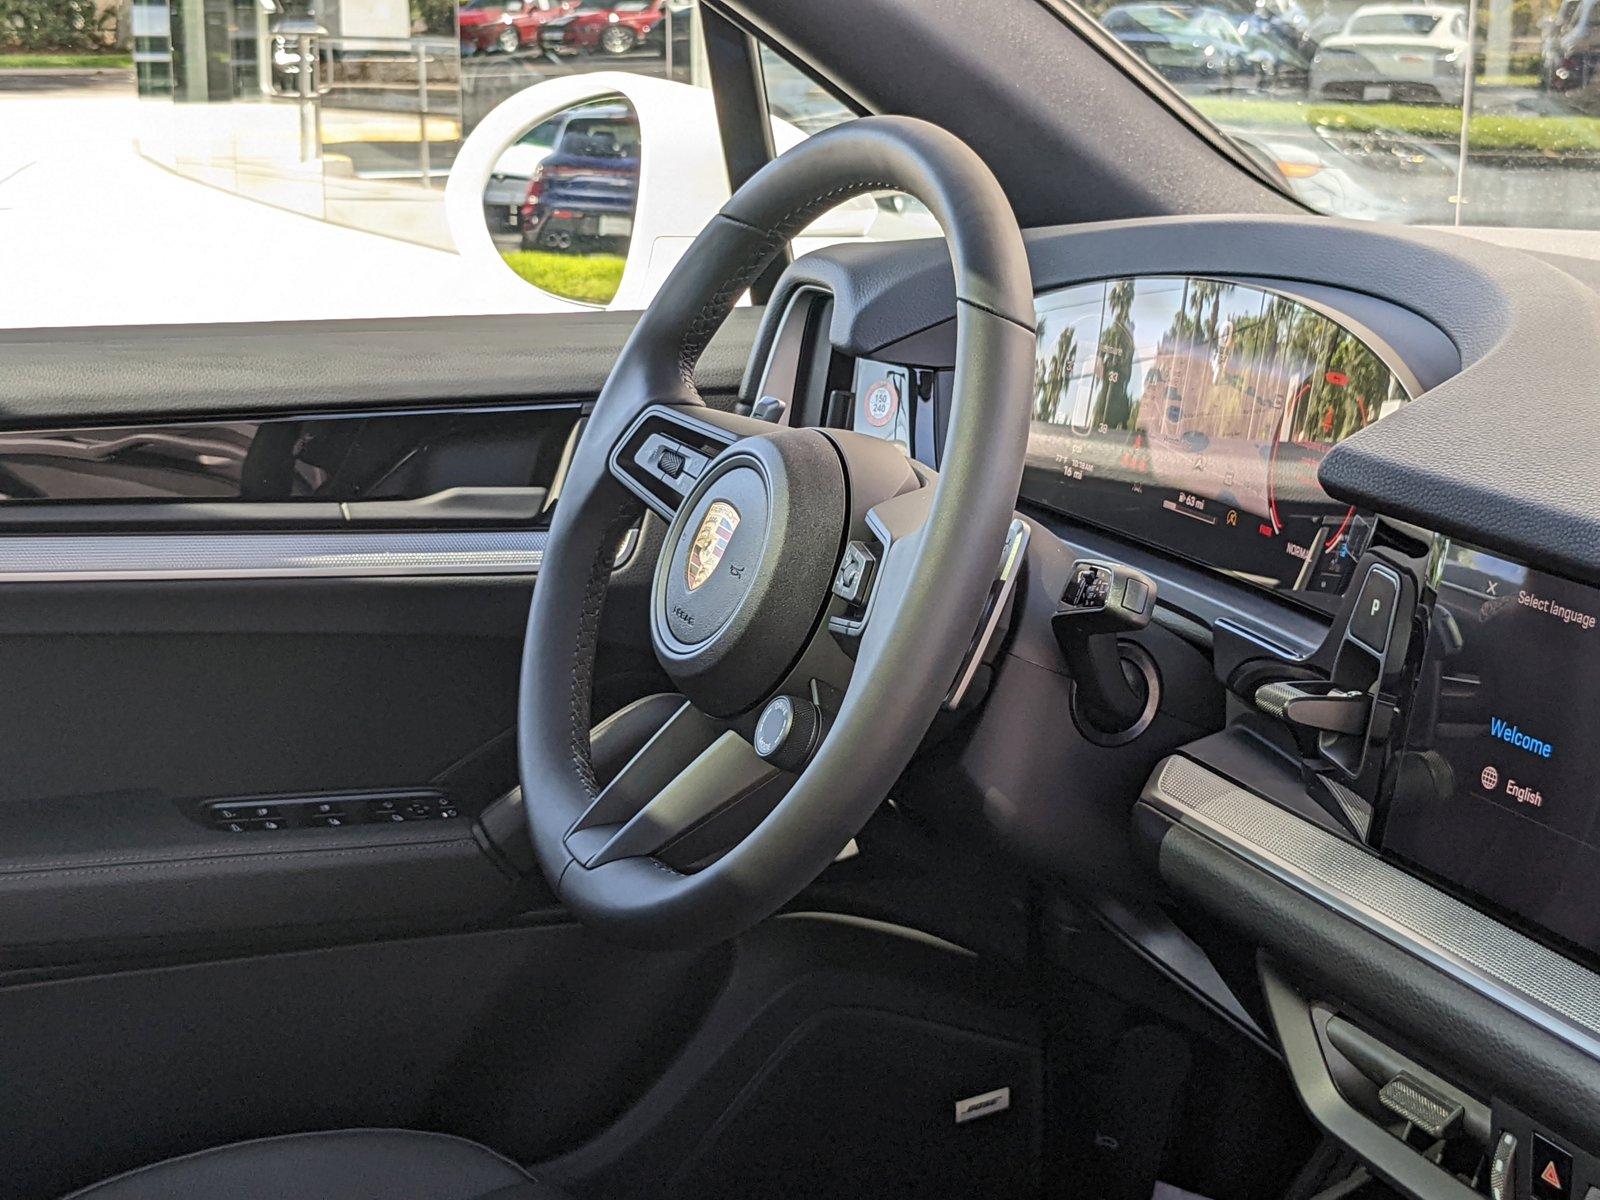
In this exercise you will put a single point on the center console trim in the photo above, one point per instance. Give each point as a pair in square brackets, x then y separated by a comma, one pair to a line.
[1543, 987]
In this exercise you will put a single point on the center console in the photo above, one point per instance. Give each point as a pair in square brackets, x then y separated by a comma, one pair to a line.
[1428, 832]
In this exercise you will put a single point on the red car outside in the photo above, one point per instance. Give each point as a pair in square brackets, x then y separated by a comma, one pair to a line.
[607, 26]
[506, 26]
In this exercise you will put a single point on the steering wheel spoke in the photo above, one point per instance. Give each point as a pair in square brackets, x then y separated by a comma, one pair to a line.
[897, 525]
[679, 799]
[662, 455]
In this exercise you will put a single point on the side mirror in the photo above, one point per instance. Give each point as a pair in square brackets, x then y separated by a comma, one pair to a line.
[591, 187]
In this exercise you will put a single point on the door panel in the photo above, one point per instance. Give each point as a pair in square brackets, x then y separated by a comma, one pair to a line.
[110, 376]
[277, 565]
[305, 467]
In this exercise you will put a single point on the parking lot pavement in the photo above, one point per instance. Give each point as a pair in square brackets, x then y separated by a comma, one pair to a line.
[95, 234]
[67, 80]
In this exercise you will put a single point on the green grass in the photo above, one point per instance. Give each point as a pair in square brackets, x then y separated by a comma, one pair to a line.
[14, 62]
[591, 278]
[1489, 133]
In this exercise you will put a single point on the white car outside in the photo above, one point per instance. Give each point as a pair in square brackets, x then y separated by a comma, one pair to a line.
[1405, 52]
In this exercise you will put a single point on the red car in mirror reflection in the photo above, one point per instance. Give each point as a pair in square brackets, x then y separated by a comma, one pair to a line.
[506, 26]
[607, 27]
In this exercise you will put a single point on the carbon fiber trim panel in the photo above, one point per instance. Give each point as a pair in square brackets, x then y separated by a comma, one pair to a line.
[1492, 958]
[91, 557]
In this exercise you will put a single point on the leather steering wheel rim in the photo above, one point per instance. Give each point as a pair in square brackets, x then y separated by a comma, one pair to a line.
[943, 566]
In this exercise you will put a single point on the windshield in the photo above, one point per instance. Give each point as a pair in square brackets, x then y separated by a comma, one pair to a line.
[1391, 112]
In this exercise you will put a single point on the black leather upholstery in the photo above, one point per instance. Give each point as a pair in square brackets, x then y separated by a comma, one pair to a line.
[350, 1164]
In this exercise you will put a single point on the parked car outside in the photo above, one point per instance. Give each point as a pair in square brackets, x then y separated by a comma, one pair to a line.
[611, 27]
[582, 195]
[1406, 52]
[1282, 21]
[514, 170]
[1198, 44]
[506, 26]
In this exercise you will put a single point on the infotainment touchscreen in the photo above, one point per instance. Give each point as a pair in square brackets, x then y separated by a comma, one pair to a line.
[1193, 414]
[1498, 787]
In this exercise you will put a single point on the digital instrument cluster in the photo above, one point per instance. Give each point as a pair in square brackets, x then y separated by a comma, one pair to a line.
[1192, 414]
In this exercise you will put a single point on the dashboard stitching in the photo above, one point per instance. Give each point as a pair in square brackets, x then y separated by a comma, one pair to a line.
[583, 651]
[1029, 326]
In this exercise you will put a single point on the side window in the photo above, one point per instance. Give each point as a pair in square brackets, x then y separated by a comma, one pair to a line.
[478, 155]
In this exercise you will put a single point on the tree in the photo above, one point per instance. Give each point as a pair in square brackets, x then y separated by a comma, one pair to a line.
[1051, 376]
[40, 26]
[1113, 402]
[433, 16]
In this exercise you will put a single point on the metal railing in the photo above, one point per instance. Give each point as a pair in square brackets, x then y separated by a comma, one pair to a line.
[389, 75]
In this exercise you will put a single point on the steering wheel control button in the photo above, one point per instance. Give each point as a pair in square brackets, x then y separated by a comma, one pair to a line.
[788, 732]
[670, 462]
[854, 577]
[1552, 1170]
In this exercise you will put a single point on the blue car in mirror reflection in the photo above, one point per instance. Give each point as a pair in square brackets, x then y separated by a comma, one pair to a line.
[582, 195]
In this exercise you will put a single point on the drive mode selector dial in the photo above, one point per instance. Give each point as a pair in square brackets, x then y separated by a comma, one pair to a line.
[788, 731]
[747, 567]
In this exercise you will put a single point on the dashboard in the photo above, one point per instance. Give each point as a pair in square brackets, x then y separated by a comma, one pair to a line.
[1332, 453]
[1411, 415]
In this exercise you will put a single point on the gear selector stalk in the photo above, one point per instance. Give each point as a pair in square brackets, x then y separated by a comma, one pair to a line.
[1103, 600]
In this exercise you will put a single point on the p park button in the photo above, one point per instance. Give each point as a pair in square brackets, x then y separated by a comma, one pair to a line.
[1374, 612]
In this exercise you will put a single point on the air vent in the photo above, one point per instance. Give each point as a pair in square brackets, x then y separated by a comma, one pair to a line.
[799, 361]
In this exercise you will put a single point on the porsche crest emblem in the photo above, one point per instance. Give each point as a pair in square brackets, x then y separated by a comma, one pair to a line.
[710, 543]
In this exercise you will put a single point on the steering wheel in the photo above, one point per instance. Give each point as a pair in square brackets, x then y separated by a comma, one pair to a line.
[698, 837]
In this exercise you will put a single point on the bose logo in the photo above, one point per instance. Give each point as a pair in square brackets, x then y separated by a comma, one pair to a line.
[984, 1105]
